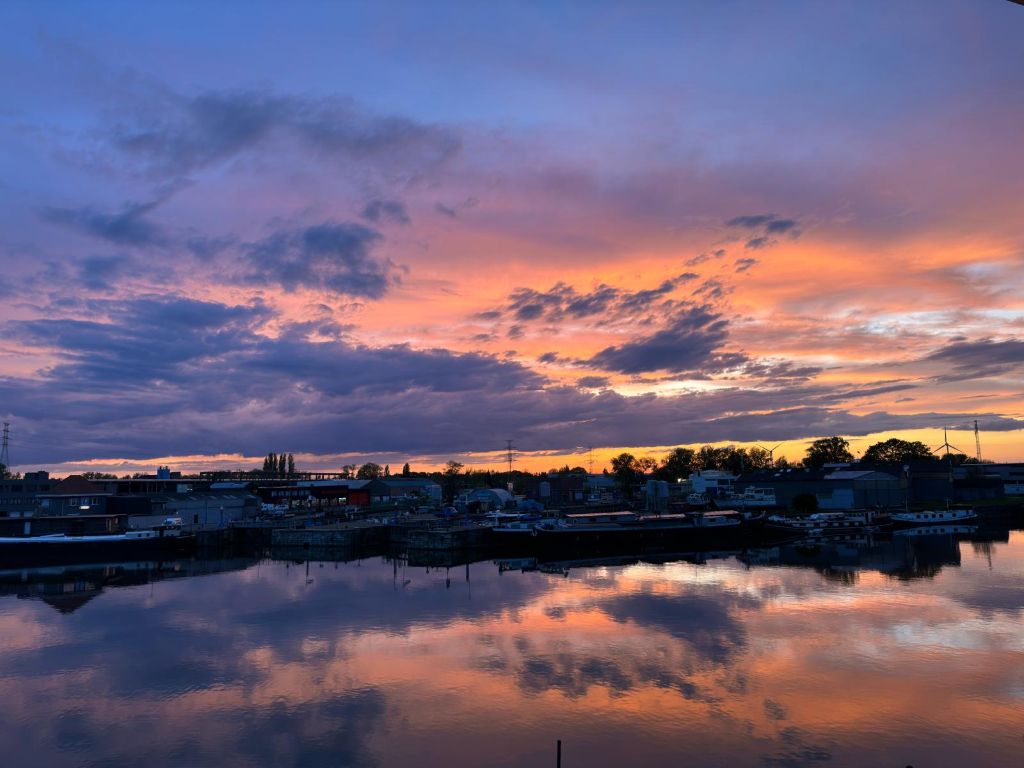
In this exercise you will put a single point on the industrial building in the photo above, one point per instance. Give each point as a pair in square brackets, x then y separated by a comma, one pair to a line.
[394, 490]
[18, 495]
[836, 489]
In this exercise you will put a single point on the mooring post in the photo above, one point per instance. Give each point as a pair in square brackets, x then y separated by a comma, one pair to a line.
[558, 759]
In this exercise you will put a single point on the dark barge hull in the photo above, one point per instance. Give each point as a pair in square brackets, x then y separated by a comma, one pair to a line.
[35, 553]
[558, 543]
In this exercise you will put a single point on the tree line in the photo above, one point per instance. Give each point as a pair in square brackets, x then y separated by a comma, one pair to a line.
[680, 463]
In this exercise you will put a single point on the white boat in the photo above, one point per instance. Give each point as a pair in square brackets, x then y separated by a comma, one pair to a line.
[512, 526]
[933, 517]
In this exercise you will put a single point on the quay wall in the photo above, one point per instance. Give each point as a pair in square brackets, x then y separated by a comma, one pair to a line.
[333, 536]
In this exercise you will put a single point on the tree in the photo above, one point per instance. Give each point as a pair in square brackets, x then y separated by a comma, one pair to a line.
[348, 470]
[450, 478]
[828, 450]
[405, 470]
[626, 469]
[291, 464]
[282, 465]
[805, 503]
[896, 451]
[370, 471]
[387, 470]
[758, 458]
[709, 457]
[4, 473]
[735, 460]
[646, 465]
[677, 465]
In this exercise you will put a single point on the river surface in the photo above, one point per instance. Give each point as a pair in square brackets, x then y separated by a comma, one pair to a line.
[902, 652]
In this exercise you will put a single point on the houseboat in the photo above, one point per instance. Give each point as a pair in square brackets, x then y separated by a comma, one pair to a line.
[937, 530]
[162, 540]
[910, 519]
[627, 531]
[828, 523]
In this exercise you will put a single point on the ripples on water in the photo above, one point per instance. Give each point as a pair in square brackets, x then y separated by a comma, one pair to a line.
[904, 652]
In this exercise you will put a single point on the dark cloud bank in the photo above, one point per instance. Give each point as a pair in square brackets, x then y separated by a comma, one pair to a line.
[331, 257]
[158, 376]
[762, 229]
[182, 134]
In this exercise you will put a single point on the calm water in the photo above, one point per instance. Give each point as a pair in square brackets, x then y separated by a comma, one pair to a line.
[905, 652]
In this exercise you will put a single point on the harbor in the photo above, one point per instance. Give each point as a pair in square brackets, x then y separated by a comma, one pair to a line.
[77, 519]
[704, 613]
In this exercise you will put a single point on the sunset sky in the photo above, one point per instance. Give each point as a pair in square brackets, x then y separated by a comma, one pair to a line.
[390, 232]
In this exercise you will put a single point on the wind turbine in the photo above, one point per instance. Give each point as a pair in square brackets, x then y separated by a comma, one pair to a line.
[945, 443]
[949, 457]
[771, 453]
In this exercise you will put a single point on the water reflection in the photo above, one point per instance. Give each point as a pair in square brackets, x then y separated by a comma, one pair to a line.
[896, 651]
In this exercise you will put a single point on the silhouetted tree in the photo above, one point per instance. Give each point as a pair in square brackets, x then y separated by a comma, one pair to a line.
[626, 469]
[709, 457]
[828, 450]
[735, 460]
[450, 478]
[291, 465]
[370, 471]
[677, 465]
[405, 470]
[758, 458]
[896, 451]
[387, 470]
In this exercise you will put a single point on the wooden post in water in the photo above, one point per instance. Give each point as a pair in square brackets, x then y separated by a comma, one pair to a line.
[558, 759]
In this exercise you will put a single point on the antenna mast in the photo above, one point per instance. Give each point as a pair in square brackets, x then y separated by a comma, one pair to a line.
[509, 457]
[977, 441]
[5, 456]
